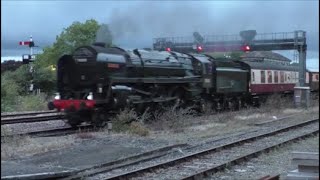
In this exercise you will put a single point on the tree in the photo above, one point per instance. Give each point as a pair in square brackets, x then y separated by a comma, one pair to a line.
[78, 34]
[10, 65]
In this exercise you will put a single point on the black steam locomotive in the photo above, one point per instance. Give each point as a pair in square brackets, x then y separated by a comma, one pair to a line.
[96, 80]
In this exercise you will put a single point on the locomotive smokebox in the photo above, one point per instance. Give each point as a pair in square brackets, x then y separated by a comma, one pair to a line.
[101, 44]
[248, 36]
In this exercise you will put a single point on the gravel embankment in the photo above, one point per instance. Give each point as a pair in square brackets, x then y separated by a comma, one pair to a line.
[216, 157]
[275, 162]
[192, 131]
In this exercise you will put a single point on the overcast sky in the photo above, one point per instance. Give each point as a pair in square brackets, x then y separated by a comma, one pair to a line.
[135, 23]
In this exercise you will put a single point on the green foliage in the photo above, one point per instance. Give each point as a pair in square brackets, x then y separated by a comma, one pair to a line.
[15, 83]
[21, 77]
[8, 86]
[78, 34]
[45, 78]
[9, 92]
[31, 103]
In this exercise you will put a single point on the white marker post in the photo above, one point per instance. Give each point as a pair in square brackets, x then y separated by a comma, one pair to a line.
[31, 66]
[31, 50]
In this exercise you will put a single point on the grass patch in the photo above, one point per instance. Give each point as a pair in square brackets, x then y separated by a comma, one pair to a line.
[31, 103]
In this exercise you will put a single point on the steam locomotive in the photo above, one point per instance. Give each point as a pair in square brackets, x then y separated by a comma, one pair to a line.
[96, 81]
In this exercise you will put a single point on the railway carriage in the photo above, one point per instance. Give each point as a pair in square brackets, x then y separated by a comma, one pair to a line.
[312, 80]
[269, 78]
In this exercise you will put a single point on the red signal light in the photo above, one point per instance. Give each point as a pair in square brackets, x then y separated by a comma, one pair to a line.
[246, 48]
[199, 48]
[168, 49]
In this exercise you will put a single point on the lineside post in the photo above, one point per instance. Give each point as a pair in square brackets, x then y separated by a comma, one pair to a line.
[301, 92]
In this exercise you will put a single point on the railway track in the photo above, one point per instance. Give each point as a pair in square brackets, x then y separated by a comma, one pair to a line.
[60, 131]
[14, 114]
[198, 161]
[118, 163]
[30, 117]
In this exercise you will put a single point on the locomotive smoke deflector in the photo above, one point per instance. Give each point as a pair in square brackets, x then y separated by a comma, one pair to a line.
[137, 53]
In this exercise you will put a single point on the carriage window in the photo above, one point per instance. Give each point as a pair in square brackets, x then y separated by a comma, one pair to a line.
[252, 76]
[263, 77]
[281, 77]
[269, 77]
[276, 77]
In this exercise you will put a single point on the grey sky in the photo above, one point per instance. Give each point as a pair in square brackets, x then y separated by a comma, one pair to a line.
[135, 23]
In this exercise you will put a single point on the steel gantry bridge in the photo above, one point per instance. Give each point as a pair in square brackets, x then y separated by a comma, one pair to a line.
[245, 41]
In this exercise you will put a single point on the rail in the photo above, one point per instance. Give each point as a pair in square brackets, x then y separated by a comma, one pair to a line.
[171, 166]
[30, 118]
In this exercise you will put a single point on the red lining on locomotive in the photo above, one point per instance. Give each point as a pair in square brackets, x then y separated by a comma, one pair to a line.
[65, 104]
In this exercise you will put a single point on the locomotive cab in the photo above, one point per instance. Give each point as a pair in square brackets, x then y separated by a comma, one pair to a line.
[203, 66]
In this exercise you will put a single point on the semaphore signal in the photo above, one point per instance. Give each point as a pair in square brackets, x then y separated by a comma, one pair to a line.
[26, 58]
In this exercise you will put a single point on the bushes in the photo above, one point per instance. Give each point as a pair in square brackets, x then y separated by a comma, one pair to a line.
[168, 118]
[172, 118]
[23, 103]
[277, 101]
[9, 92]
[129, 121]
[13, 96]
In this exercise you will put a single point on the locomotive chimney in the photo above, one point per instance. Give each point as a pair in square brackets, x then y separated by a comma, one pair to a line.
[101, 44]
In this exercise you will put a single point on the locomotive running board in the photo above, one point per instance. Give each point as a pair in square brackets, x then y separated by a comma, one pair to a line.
[157, 100]
[191, 79]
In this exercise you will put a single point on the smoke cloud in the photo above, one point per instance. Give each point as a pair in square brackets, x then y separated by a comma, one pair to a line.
[137, 25]
[104, 35]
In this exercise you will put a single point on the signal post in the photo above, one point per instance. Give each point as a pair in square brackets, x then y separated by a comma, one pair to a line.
[27, 58]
